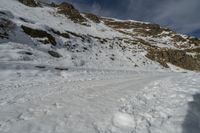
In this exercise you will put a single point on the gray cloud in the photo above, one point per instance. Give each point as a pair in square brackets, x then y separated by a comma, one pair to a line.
[180, 15]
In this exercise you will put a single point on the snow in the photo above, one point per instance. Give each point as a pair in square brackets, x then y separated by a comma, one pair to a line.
[127, 20]
[192, 54]
[123, 120]
[176, 69]
[163, 105]
[97, 101]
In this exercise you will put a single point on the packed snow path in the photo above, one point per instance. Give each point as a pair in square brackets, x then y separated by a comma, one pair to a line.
[96, 101]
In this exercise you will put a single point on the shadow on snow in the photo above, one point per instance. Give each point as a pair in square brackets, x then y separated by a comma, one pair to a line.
[191, 123]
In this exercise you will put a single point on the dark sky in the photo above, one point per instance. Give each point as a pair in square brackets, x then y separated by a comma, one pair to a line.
[180, 15]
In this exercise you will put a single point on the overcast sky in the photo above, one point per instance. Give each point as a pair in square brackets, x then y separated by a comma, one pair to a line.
[180, 15]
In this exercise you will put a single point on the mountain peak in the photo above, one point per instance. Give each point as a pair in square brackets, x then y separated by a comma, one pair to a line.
[69, 10]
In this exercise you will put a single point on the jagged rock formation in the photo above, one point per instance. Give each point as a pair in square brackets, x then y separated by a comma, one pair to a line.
[31, 3]
[35, 33]
[92, 17]
[143, 29]
[187, 59]
[6, 25]
[69, 10]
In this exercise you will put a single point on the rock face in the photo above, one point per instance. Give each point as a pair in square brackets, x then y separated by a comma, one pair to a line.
[6, 25]
[72, 13]
[92, 17]
[31, 3]
[143, 29]
[35, 33]
[187, 59]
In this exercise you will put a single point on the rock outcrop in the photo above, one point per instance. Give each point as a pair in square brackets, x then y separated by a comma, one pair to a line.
[31, 3]
[72, 13]
[36, 33]
[6, 25]
[92, 17]
[187, 59]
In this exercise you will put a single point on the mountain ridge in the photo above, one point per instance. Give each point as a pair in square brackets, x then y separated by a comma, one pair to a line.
[85, 39]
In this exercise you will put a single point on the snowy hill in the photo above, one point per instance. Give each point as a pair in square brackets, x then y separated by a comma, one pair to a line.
[66, 71]
[78, 40]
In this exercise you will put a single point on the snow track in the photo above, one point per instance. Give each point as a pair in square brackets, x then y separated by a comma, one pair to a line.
[27, 101]
[87, 104]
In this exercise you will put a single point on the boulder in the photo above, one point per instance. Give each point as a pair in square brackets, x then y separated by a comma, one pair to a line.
[54, 54]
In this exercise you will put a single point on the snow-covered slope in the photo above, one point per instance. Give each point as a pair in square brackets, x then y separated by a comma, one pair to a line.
[65, 71]
[38, 31]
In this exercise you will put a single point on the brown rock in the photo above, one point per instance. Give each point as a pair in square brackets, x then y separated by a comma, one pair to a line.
[179, 58]
[93, 17]
[69, 10]
[31, 3]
